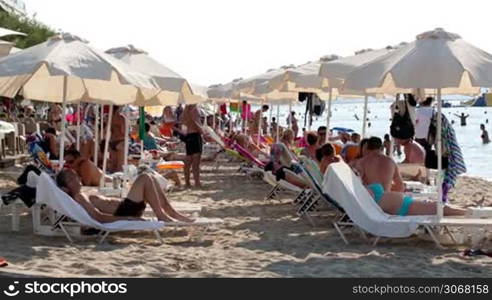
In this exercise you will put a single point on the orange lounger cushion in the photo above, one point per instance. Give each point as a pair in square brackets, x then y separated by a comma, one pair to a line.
[171, 165]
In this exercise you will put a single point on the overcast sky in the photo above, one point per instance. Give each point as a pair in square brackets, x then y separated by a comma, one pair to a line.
[215, 41]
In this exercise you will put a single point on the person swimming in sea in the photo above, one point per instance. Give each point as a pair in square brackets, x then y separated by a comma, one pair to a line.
[485, 134]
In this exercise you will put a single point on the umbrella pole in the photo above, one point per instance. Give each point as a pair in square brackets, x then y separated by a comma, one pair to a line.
[271, 117]
[127, 133]
[328, 119]
[96, 134]
[364, 122]
[260, 121]
[102, 121]
[290, 114]
[106, 143]
[214, 110]
[63, 124]
[440, 206]
[278, 123]
[78, 127]
[230, 117]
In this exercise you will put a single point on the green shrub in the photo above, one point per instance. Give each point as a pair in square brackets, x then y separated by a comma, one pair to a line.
[36, 32]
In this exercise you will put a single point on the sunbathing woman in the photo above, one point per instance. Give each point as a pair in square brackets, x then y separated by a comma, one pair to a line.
[145, 190]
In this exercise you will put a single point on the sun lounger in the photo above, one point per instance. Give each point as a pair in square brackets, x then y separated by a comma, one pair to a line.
[342, 184]
[67, 209]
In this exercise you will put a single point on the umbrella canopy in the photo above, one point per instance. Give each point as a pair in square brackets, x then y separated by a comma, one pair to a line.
[306, 78]
[230, 91]
[175, 88]
[7, 32]
[273, 77]
[66, 69]
[342, 67]
[5, 48]
[436, 60]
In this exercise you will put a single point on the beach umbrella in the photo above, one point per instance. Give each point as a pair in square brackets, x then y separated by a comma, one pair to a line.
[7, 32]
[175, 89]
[5, 48]
[437, 60]
[337, 71]
[273, 78]
[66, 69]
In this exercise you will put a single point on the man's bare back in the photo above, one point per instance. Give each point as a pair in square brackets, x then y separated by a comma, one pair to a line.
[378, 168]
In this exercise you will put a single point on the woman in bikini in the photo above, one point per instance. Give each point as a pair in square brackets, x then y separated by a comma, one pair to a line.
[145, 190]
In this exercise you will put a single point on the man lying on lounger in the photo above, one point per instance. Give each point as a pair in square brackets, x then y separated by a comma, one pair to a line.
[392, 203]
[145, 190]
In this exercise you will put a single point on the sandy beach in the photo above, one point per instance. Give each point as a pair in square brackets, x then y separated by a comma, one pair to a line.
[258, 239]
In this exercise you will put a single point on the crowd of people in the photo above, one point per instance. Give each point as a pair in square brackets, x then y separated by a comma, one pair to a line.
[279, 148]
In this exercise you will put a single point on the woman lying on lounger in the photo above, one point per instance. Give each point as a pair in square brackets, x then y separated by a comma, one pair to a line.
[145, 190]
[392, 203]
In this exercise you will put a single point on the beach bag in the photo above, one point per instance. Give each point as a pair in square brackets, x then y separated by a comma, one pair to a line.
[402, 126]
[318, 106]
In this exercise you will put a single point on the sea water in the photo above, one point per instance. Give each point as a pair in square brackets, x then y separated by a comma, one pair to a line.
[478, 157]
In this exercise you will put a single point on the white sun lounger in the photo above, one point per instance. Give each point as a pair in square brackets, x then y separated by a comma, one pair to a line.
[346, 188]
[49, 194]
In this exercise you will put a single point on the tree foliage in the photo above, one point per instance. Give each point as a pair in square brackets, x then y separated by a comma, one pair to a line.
[36, 32]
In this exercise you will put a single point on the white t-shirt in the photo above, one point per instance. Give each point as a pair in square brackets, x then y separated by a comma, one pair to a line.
[423, 122]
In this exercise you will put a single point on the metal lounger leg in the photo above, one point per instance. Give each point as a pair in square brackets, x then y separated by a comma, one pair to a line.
[451, 236]
[433, 236]
[104, 236]
[376, 241]
[340, 233]
[62, 227]
[158, 236]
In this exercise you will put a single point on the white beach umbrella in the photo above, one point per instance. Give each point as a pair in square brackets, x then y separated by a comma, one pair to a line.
[437, 60]
[5, 48]
[66, 69]
[7, 32]
[273, 77]
[175, 88]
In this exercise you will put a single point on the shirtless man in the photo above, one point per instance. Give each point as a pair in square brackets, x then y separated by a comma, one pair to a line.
[377, 168]
[117, 141]
[295, 126]
[88, 172]
[414, 152]
[258, 116]
[194, 144]
[145, 190]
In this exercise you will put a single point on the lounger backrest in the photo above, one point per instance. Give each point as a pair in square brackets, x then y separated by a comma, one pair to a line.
[249, 156]
[47, 192]
[308, 177]
[342, 184]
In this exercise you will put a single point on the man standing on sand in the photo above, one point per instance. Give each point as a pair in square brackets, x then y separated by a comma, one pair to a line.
[377, 168]
[414, 152]
[258, 116]
[117, 141]
[194, 144]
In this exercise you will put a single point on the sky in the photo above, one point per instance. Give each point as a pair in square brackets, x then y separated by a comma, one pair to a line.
[216, 41]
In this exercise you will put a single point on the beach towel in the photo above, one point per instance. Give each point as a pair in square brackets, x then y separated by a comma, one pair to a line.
[312, 168]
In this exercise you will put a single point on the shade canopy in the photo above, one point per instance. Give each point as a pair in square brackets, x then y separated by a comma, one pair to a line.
[230, 92]
[66, 68]
[7, 32]
[435, 60]
[175, 88]
[5, 48]
[274, 78]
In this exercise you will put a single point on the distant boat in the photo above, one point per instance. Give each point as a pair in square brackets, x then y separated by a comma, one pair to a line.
[447, 105]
